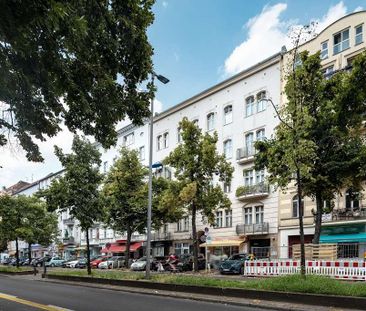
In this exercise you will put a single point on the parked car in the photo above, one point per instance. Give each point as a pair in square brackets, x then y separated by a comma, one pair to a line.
[186, 262]
[112, 263]
[54, 262]
[94, 263]
[82, 263]
[38, 262]
[21, 261]
[71, 263]
[7, 261]
[140, 264]
[234, 264]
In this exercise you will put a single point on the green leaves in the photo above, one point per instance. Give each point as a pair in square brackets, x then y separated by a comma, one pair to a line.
[80, 62]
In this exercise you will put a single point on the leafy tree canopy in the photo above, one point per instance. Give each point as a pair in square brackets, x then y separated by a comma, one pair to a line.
[77, 62]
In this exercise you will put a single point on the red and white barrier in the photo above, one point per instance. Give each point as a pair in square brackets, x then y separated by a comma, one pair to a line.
[346, 270]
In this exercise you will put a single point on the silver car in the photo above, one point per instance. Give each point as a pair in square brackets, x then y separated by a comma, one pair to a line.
[112, 263]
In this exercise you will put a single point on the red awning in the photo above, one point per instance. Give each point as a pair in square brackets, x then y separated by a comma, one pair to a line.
[118, 248]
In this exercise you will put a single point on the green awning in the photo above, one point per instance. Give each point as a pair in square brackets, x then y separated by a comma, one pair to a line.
[343, 238]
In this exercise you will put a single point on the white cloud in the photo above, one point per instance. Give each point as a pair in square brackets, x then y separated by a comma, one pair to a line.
[164, 4]
[158, 106]
[16, 167]
[267, 33]
[358, 9]
[335, 12]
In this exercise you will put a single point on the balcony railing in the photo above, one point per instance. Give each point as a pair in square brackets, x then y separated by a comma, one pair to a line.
[243, 229]
[245, 154]
[345, 214]
[161, 236]
[69, 221]
[68, 240]
[259, 190]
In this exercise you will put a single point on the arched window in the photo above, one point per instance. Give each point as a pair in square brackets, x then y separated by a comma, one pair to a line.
[295, 207]
[210, 121]
[228, 148]
[261, 102]
[249, 106]
[228, 114]
[352, 200]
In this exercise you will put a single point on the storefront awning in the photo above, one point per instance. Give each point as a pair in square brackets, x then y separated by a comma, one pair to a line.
[339, 238]
[117, 248]
[219, 243]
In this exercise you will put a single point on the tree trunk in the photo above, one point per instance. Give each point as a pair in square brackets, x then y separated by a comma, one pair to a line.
[318, 217]
[30, 252]
[301, 224]
[88, 251]
[128, 244]
[17, 251]
[194, 237]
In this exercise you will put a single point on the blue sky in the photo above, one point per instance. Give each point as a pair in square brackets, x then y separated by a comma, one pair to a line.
[197, 44]
[193, 38]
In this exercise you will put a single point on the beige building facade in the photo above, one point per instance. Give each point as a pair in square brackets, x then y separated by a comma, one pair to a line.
[338, 44]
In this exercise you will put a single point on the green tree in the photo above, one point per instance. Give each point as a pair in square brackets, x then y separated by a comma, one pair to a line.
[77, 190]
[39, 225]
[77, 62]
[196, 162]
[125, 191]
[318, 143]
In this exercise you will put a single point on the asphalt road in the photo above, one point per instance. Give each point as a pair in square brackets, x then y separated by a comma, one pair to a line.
[20, 294]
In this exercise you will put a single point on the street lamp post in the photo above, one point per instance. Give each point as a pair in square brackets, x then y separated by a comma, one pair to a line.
[149, 207]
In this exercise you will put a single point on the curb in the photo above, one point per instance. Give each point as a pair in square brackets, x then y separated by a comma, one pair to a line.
[17, 272]
[299, 298]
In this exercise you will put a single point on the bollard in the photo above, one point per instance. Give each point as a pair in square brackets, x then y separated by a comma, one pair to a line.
[44, 270]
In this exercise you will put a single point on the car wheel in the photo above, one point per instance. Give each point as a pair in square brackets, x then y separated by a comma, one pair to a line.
[52, 265]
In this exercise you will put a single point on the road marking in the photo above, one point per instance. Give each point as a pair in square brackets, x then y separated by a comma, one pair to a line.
[30, 303]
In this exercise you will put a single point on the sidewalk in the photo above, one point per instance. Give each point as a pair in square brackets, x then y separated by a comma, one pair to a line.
[282, 306]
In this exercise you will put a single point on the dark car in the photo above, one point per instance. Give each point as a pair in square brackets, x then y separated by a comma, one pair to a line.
[38, 262]
[82, 263]
[7, 261]
[234, 264]
[186, 262]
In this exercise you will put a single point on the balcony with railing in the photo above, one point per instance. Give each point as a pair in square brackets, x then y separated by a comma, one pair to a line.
[161, 236]
[68, 240]
[252, 229]
[244, 193]
[347, 214]
[69, 221]
[245, 154]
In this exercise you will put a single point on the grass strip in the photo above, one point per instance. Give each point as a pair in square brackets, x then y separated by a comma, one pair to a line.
[290, 283]
[11, 269]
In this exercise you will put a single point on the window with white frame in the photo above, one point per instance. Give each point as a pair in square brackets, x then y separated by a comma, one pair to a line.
[159, 142]
[324, 50]
[129, 139]
[359, 34]
[261, 101]
[181, 248]
[227, 187]
[248, 177]
[195, 122]
[183, 224]
[228, 114]
[248, 215]
[259, 177]
[179, 134]
[341, 41]
[142, 153]
[249, 144]
[259, 214]
[218, 219]
[328, 72]
[166, 140]
[210, 121]
[105, 166]
[228, 148]
[352, 200]
[295, 207]
[228, 218]
[249, 106]
[260, 135]
[297, 62]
